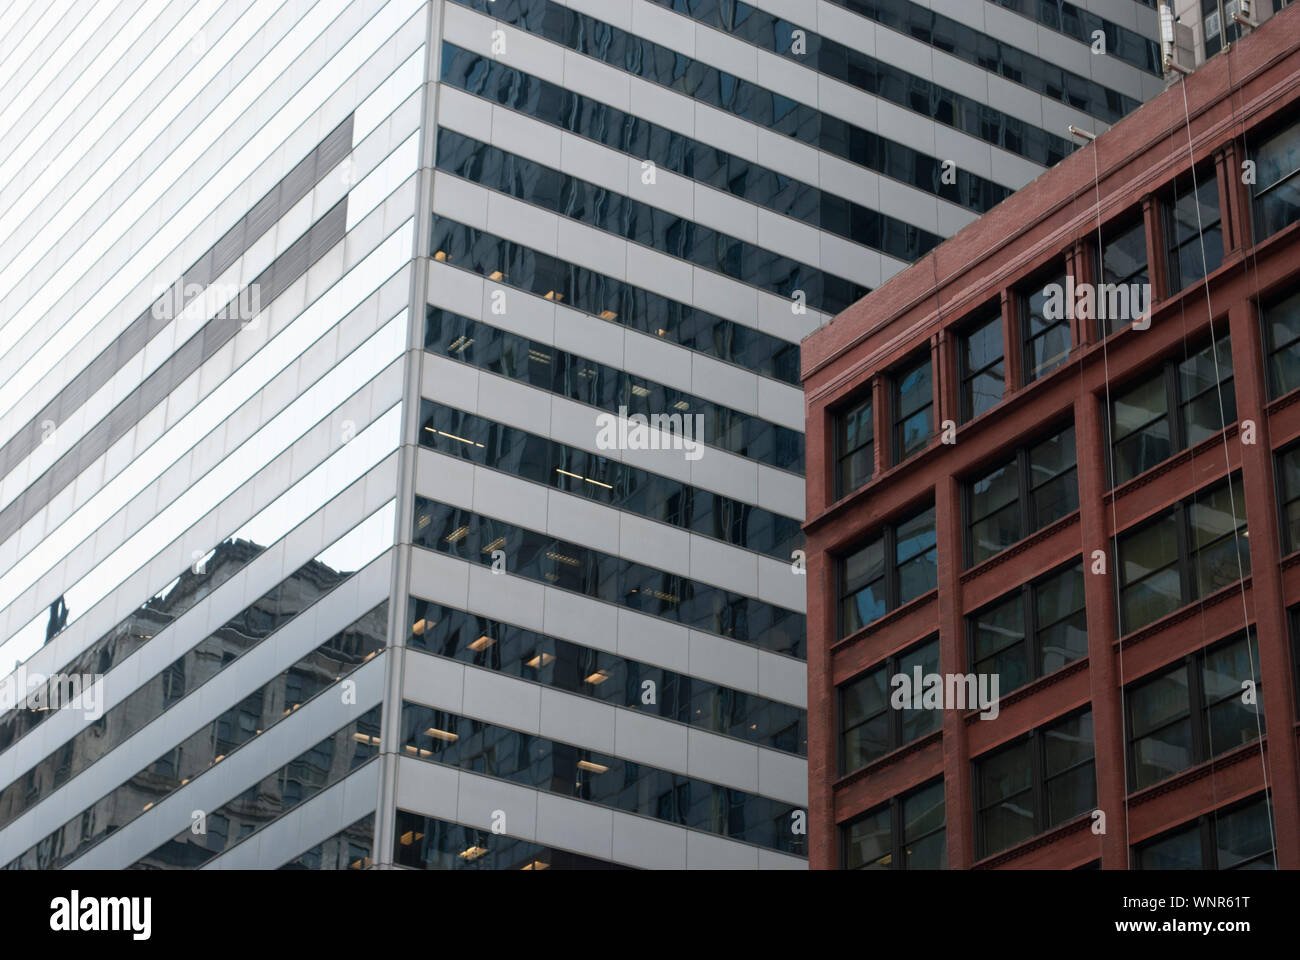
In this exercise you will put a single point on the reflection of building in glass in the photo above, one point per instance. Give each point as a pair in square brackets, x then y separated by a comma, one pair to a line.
[488, 351]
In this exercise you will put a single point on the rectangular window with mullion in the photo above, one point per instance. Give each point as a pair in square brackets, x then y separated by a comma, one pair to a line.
[1031, 632]
[892, 569]
[855, 448]
[870, 727]
[1037, 782]
[1123, 263]
[906, 833]
[1281, 323]
[1288, 497]
[1204, 705]
[1193, 230]
[913, 409]
[1237, 838]
[982, 368]
[1200, 387]
[1276, 191]
[1046, 340]
[1038, 486]
[1194, 548]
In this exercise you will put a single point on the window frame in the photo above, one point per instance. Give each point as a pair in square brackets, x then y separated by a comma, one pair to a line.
[1257, 194]
[1175, 404]
[1059, 271]
[1027, 595]
[1186, 555]
[890, 667]
[1122, 227]
[888, 535]
[839, 418]
[897, 419]
[965, 376]
[1028, 512]
[1036, 740]
[1185, 186]
[1287, 547]
[898, 839]
[1206, 825]
[1271, 349]
[1198, 709]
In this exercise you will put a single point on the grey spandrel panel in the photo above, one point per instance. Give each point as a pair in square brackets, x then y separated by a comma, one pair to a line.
[131, 342]
[264, 213]
[155, 388]
[63, 474]
[289, 266]
[334, 147]
[228, 249]
[200, 272]
[187, 358]
[297, 182]
[328, 230]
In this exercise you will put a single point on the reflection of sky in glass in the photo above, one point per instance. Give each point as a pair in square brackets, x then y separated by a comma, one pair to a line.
[171, 169]
[208, 415]
[268, 442]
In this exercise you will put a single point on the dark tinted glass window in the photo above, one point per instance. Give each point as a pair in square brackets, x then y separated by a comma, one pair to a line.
[913, 409]
[1240, 838]
[983, 372]
[1288, 482]
[1034, 784]
[1124, 265]
[1195, 710]
[1193, 233]
[855, 435]
[907, 833]
[894, 568]
[1277, 182]
[1033, 631]
[1045, 328]
[870, 726]
[1038, 486]
[1200, 388]
[1183, 554]
[1281, 322]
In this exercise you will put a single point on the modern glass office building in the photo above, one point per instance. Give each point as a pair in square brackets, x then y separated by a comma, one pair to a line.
[401, 436]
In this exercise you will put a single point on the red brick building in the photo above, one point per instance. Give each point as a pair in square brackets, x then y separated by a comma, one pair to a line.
[1097, 507]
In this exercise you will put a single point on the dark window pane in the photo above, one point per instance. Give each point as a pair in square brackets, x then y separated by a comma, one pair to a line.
[917, 723]
[983, 380]
[1179, 851]
[1277, 183]
[913, 410]
[856, 433]
[868, 842]
[1195, 240]
[1282, 326]
[1244, 835]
